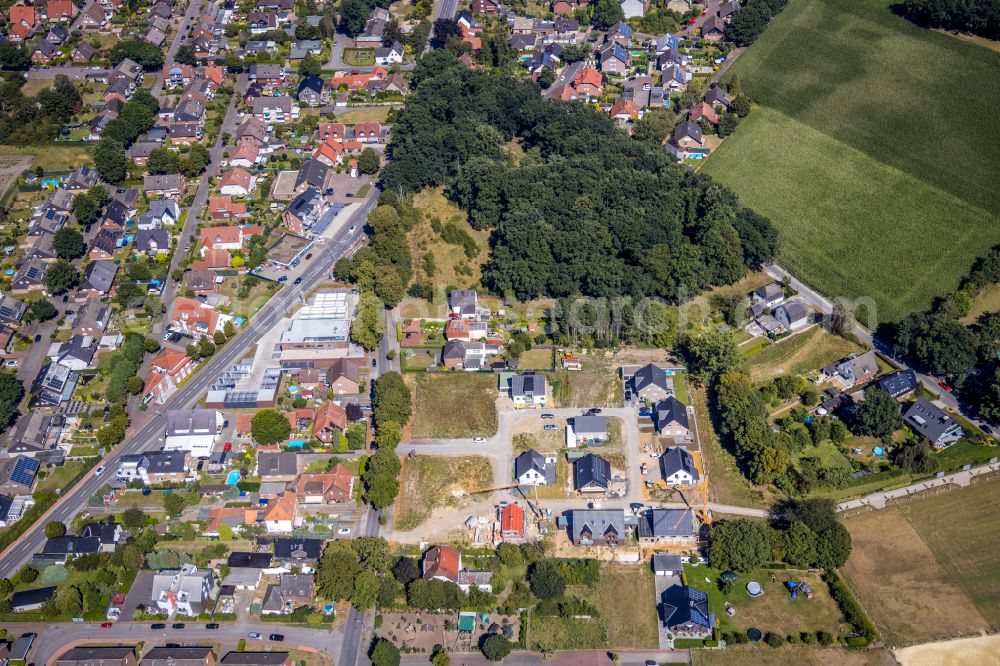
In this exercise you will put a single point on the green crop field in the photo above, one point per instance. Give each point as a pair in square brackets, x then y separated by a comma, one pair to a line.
[879, 174]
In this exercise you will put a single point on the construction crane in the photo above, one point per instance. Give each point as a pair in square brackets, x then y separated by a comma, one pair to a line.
[700, 496]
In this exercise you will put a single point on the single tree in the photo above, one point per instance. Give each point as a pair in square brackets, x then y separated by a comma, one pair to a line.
[68, 243]
[547, 582]
[42, 310]
[270, 426]
[54, 529]
[61, 277]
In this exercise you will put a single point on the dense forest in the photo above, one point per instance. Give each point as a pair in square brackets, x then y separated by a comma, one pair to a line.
[980, 17]
[585, 209]
[35, 120]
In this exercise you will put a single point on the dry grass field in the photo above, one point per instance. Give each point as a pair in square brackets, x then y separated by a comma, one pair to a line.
[927, 569]
[428, 482]
[457, 404]
[801, 353]
[762, 655]
[451, 265]
[52, 156]
[979, 650]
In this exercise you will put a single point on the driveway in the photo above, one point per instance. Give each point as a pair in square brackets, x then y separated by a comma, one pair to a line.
[662, 584]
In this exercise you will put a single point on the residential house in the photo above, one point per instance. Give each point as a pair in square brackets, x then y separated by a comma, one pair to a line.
[670, 418]
[304, 211]
[331, 421]
[464, 303]
[194, 430]
[342, 377]
[368, 132]
[512, 522]
[104, 245]
[463, 355]
[11, 309]
[107, 532]
[236, 182]
[687, 141]
[77, 353]
[528, 390]
[230, 237]
[489, 7]
[60, 10]
[770, 295]
[94, 18]
[30, 277]
[292, 591]
[313, 173]
[155, 467]
[93, 655]
[900, 385]
[186, 655]
[252, 131]
[633, 8]
[67, 548]
[161, 213]
[717, 97]
[17, 475]
[280, 513]
[277, 466]
[311, 91]
[624, 110]
[83, 52]
[531, 468]
[586, 429]
[614, 59]
[688, 616]
[703, 110]
[713, 29]
[186, 591]
[929, 421]
[23, 602]
[588, 83]
[167, 186]
[275, 109]
[858, 369]
[667, 526]
[197, 319]
[389, 55]
[45, 52]
[22, 20]
[166, 372]
[793, 315]
[651, 383]
[80, 180]
[98, 278]
[331, 487]
[200, 282]
[299, 552]
[597, 527]
[55, 384]
[591, 474]
[224, 208]
[445, 563]
[152, 242]
[678, 467]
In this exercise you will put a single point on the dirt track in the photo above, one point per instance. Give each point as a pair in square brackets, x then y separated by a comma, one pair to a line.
[979, 650]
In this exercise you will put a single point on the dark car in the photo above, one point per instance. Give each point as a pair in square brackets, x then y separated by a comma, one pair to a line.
[212, 625]
[374, 362]
[309, 256]
[38, 338]
[158, 625]
[177, 625]
[298, 280]
[66, 298]
[283, 278]
[594, 410]
[276, 637]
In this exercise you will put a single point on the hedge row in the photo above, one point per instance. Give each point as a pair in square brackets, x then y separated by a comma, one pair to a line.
[851, 609]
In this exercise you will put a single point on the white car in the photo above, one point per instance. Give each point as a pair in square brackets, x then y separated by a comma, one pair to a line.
[255, 635]
[344, 531]
[99, 470]
[478, 440]
[11, 363]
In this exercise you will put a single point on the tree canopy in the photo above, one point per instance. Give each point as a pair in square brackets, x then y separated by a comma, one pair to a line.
[269, 426]
[980, 17]
[594, 212]
[740, 545]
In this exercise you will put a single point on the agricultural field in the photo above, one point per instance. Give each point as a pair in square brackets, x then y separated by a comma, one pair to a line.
[52, 157]
[774, 611]
[926, 569]
[428, 482]
[978, 650]
[458, 404]
[850, 143]
[625, 598]
[799, 354]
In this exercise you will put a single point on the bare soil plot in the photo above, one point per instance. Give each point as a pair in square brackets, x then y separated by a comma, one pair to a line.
[901, 584]
[11, 166]
[428, 482]
[979, 650]
[596, 384]
[457, 404]
[762, 655]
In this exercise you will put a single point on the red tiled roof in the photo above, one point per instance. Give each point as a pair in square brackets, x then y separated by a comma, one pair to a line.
[512, 519]
[443, 561]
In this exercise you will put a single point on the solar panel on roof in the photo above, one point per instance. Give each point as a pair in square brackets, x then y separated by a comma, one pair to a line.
[24, 471]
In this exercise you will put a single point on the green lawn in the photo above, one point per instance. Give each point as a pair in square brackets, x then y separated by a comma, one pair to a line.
[359, 57]
[799, 354]
[61, 477]
[851, 143]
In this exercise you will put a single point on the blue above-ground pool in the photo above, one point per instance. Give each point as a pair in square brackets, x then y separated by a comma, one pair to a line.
[878, 451]
[296, 443]
[233, 478]
[293, 389]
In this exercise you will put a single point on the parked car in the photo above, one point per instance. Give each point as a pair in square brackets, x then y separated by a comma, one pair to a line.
[228, 446]
[344, 531]
[255, 635]
[943, 384]
[38, 338]
[594, 410]
[309, 256]
[283, 278]
[478, 440]
[106, 625]
[99, 470]
[158, 625]
[276, 637]
[212, 625]
[550, 426]
[13, 363]
[298, 280]
[177, 625]
[548, 416]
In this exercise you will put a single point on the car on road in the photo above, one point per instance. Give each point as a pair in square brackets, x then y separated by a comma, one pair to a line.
[255, 635]
[38, 338]
[309, 256]
[106, 625]
[158, 625]
[636, 506]
[548, 416]
[478, 440]
[298, 280]
[550, 426]
[212, 625]
[594, 410]
[66, 298]
[11, 363]
[943, 384]
[374, 362]
[276, 637]
[344, 531]
[177, 625]
[283, 278]
[99, 470]
[353, 228]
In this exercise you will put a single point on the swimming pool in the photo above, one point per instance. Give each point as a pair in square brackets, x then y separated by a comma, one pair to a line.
[233, 478]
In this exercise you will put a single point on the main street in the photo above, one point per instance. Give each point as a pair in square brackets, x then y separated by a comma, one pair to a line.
[148, 436]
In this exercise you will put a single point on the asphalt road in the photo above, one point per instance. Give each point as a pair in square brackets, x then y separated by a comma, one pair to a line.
[148, 436]
[53, 639]
[358, 627]
[442, 9]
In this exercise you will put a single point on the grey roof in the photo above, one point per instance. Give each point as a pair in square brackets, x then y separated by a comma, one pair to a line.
[270, 463]
[769, 291]
[588, 424]
[716, 95]
[650, 375]
[165, 462]
[928, 420]
[176, 656]
[688, 607]
[298, 549]
[597, 521]
[100, 275]
[11, 309]
[146, 238]
[182, 422]
[899, 383]
[793, 311]
[69, 546]
[255, 658]
[527, 461]
[290, 585]
[159, 207]
[528, 383]
[687, 129]
[454, 349]
[82, 178]
[243, 559]
[670, 410]
[26, 598]
[162, 183]
[464, 300]
[591, 470]
[80, 347]
[666, 523]
[677, 459]
[107, 531]
[90, 655]
[312, 173]
[667, 562]
[313, 83]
